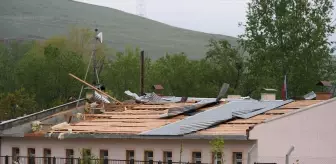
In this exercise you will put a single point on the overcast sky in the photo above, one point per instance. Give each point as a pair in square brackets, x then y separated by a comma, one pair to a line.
[211, 16]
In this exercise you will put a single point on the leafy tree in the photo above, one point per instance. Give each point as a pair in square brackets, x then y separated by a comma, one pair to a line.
[10, 54]
[181, 76]
[44, 71]
[227, 64]
[173, 72]
[288, 37]
[217, 146]
[16, 104]
[123, 73]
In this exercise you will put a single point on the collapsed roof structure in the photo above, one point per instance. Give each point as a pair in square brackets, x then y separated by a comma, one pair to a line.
[151, 116]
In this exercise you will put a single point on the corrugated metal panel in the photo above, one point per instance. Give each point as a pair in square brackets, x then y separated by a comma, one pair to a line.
[152, 97]
[206, 119]
[188, 108]
[100, 97]
[267, 105]
[194, 123]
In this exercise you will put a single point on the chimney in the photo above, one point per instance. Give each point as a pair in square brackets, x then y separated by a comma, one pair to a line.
[323, 95]
[158, 89]
[324, 90]
[268, 94]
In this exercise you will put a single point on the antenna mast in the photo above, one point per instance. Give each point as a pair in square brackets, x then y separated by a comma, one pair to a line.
[94, 60]
[98, 37]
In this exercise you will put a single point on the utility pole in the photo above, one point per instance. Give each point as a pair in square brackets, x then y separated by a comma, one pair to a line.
[94, 60]
[142, 72]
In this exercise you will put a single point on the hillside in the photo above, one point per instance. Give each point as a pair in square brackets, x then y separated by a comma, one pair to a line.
[40, 19]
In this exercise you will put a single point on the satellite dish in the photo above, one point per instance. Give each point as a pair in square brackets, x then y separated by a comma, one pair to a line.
[100, 37]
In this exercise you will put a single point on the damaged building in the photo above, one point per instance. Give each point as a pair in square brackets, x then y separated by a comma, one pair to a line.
[150, 128]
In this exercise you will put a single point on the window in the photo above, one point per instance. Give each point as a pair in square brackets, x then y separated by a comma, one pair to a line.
[167, 157]
[149, 157]
[31, 156]
[217, 158]
[86, 156]
[46, 156]
[69, 154]
[237, 158]
[130, 156]
[197, 157]
[104, 156]
[15, 154]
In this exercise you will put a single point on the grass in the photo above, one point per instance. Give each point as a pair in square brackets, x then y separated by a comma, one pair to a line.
[38, 19]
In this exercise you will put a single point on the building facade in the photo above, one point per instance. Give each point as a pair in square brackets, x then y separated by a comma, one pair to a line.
[193, 151]
[305, 136]
[144, 132]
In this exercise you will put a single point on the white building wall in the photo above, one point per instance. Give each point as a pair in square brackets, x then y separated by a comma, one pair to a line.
[117, 147]
[312, 132]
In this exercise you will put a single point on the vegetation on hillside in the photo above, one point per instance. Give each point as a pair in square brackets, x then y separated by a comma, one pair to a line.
[281, 37]
[42, 19]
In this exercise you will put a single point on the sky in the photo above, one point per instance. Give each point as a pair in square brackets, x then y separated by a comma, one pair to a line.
[210, 16]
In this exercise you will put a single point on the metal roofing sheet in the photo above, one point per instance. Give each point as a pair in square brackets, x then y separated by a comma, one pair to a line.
[242, 109]
[267, 105]
[206, 119]
[183, 109]
[194, 123]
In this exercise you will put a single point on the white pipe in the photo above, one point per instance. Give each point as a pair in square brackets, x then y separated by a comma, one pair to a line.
[289, 153]
[249, 154]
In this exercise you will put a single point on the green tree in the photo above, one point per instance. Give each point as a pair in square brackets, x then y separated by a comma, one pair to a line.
[17, 103]
[217, 146]
[181, 76]
[10, 54]
[227, 63]
[288, 37]
[44, 71]
[123, 73]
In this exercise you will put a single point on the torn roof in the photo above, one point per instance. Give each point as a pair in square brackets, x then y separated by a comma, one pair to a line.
[194, 118]
[141, 120]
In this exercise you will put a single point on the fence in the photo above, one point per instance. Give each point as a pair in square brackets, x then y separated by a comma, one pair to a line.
[58, 160]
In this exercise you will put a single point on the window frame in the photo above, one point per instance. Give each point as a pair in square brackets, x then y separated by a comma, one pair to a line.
[103, 157]
[15, 153]
[193, 157]
[215, 159]
[69, 158]
[148, 161]
[46, 159]
[87, 155]
[31, 159]
[234, 157]
[128, 159]
[165, 157]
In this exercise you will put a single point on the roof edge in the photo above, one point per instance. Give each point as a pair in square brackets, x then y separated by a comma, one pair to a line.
[36, 116]
[298, 111]
[136, 136]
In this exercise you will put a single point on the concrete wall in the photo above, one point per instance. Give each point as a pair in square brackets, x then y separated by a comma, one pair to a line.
[117, 147]
[312, 132]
